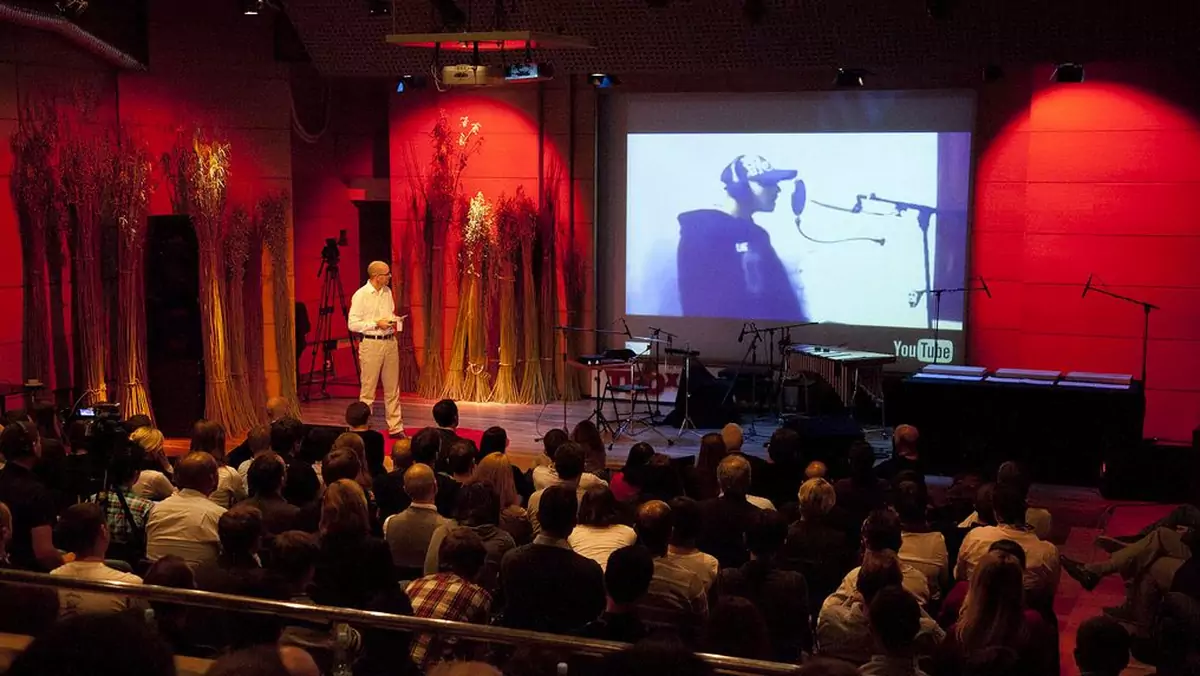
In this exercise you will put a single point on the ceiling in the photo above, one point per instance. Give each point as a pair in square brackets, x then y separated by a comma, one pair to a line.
[630, 36]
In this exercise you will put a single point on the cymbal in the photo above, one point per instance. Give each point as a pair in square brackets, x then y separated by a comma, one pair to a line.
[648, 339]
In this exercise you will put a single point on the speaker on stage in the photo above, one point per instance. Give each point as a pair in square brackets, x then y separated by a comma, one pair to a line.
[827, 438]
[175, 349]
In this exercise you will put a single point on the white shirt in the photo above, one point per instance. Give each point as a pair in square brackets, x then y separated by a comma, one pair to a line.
[598, 542]
[369, 305]
[1037, 518]
[184, 524]
[914, 583]
[705, 566]
[536, 499]
[844, 632]
[546, 476]
[231, 488]
[73, 602]
[153, 485]
[927, 553]
[1041, 558]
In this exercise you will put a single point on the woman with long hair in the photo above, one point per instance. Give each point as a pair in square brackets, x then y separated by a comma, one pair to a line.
[495, 472]
[595, 458]
[701, 481]
[600, 532]
[354, 443]
[209, 436]
[626, 483]
[353, 566]
[154, 480]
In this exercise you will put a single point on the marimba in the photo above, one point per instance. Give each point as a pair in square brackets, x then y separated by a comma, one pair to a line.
[845, 370]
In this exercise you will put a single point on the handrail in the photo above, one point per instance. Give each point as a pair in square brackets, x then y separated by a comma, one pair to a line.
[299, 611]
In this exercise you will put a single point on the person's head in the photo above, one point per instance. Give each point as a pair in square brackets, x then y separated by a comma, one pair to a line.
[1011, 473]
[587, 435]
[99, 644]
[136, 422]
[553, 439]
[862, 461]
[402, 457]
[294, 555]
[904, 441]
[569, 460]
[344, 510]
[379, 274]
[461, 458]
[992, 613]
[351, 441]
[426, 445]
[341, 463]
[627, 577]
[197, 471]
[685, 522]
[277, 409]
[985, 507]
[285, 436]
[784, 447]
[45, 418]
[82, 530]
[766, 534]
[731, 434]
[240, 530]
[150, 439]
[125, 462]
[712, 451]
[19, 443]
[654, 525]
[910, 503]
[1011, 548]
[815, 470]
[881, 530]
[258, 440]
[494, 440]
[895, 620]
[266, 475]
[557, 511]
[495, 472]
[880, 569]
[1009, 505]
[420, 483]
[1101, 646]
[445, 413]
[753, 184]
[169, 571]
[639, 456]
[477, 505]
[462, 553]
[733, 476]
[358, 414]
[655, 658]
[209, 436]
[736, 628]
[598, 507]
[817, 497]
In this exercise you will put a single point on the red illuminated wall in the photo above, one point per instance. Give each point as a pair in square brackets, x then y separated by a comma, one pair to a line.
[1092, 178]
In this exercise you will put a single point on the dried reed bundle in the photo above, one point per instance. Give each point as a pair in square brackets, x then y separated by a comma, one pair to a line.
[514, 227]
[272, 215]
[479, 242]
[252, 295]
[236, 246]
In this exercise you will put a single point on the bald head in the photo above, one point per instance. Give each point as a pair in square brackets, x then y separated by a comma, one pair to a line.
[420, 483]
[402, 457]
[905, 440]
[733, 476]
[654, 526]
[197, 471]
[378, 273]
[277, 407]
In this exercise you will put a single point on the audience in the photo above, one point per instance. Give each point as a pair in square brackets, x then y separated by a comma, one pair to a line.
[349, 441]
[445, 416]
[782, 477]
[354, 567]
[724, 518]
[209, 436]
[389, 488]
[700, 481]
[38, 606]
[1101, 647]
[682, 549]
[185, 524]
[497, 473]
[31, 503]
[98, 645]
[1041, 557]
[258, 441]
[881, 532]
[460, 465]
[626, 483]
[736, 628]
[550, 443]
[626, 581]
[125, 513]
[83, 533]
[922, 547]
[495, 440]
[479, 510]
[863, 491]
[904, 454]
[1010, 473]
[358, 419]
[154, 479]
[265, 660]
[174, 620]
[677, 597]
[599, 531]
[546, 476]
[817, 549]
[895, 619]
[568, 464]
[450, 593]
[302, 485]
[587, 435]
[408, 533]
[265, 478]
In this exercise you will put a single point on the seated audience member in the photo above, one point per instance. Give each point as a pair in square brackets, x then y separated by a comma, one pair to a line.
[496, 472]
[241, 533]
[953, 601]
[302, 485]
[863, 491]
[345, 462]
[1041, 557]
[780, 595]
[495, 440]
[185, 524]
[784, 472]
[814, 546]
[1174, 641]
[724, 518]
[599, 531]
[682, 550]
[1101, 647]
[1038, 519]
[994, 615]
[445, 416]
[700, 480]
[881, 532]
[451, 593]
[655, 658]
[595, 459]
[904, 454]
[1183, 516]
[815, 470]
[354, 567]
[98, 645]
[31, 503]
[294, 557]
[626, 581]
[734, 439]
[626, 482]
[922, 547]
[736, 628]
[548, 587]
[660, 480]
[460, 464]
[265, 660]
[895, 619]
[173, 620]
[125, 513]
[352, 442]
[358, 419]
[677, 598]
[408, 533]
[39, 606]
[265, 480]
[389, 488]
[568, 462]
[276, 409]
[545, 476]
[550, 443]
[209, 436]
[1148, 566]
[385, 652]
[843, 626]
[479, 510]
[258, 441]
[154, 479]
[83, 533]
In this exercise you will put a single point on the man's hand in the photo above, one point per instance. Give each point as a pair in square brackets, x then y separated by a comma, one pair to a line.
[383, 323]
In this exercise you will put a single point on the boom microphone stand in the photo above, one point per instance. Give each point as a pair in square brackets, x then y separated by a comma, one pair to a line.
[924, 217]
[937, 306]
[1146, 308]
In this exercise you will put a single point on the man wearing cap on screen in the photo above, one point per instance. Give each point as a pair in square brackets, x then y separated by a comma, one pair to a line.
[727, 266]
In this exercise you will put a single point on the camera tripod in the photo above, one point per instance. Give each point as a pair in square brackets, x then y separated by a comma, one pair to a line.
[331, 289]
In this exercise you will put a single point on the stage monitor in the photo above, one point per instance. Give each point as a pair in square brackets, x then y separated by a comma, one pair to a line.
[843, 208]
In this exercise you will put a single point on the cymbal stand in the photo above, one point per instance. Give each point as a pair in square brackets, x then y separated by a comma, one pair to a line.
[752, 355]
[656, 332]
[687, 424]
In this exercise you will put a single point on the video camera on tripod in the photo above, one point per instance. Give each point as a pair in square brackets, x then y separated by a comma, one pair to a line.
[331, 254]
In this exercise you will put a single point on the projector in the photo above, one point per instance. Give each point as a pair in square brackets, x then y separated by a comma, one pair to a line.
[467, 75]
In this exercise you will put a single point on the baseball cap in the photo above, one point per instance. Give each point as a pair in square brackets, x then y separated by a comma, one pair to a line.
[754, 168]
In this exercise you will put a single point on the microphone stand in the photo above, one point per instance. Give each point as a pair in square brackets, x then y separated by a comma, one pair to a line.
[937, 310]
[924, 215]
[598, 411]
[656, 332]
[748, 329]
[1146, 308]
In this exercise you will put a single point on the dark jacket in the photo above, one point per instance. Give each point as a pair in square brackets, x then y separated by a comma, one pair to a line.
[723, 523]
[352, 571]
[782, 598]
[728, 268]
[550, 588]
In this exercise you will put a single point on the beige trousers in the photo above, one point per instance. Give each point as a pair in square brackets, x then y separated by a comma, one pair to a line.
[376, 356]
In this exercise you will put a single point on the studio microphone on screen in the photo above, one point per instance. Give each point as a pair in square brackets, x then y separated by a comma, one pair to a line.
[799, 197]
[983, 282]
[1087, 287]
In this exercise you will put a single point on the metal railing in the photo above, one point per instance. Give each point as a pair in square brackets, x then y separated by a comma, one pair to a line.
[299, 611]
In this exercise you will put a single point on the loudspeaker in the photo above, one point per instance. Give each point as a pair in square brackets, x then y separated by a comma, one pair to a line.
[827, 438]
[708, 408]
[175, 348]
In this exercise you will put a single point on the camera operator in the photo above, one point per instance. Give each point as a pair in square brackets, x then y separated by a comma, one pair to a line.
[124, 512]
[31, 503]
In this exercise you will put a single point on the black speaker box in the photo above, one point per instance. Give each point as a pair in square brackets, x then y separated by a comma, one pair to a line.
[827, 438]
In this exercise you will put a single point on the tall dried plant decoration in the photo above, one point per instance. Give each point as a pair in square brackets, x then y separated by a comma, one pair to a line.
[556, 305]
[238, 233]
[35, 189]
[534, 386]
[271, 213]
[479, 241]
[130, 185]
[85, 170]
[515, 225]
[252, 295]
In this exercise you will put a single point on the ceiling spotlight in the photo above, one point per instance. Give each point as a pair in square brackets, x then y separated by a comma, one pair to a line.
[379, 7]
[449, 14]
[252, 7]
[754, 10]
[992, 73]
[1068, 73]
[849, 77]
[603, 80]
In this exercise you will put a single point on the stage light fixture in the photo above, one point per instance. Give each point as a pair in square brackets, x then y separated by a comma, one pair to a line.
[252, 7]
[849, 77]
[379, 7]
[451, 16]
[408, 83]
[1068, 73]
[603, 80]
